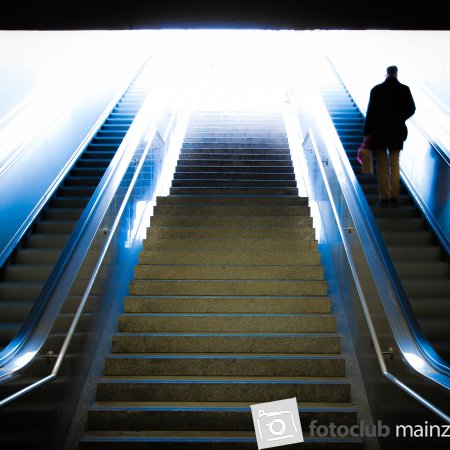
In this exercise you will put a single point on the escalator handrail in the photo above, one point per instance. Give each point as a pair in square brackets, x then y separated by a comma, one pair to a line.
[146, 129]
[48, 291]
[443, 153]
[397, 292]
[7, 251]
[69, 336]
[372, 331]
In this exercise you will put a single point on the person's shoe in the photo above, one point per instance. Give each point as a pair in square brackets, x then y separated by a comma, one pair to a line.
[394, 202]
[382, 203]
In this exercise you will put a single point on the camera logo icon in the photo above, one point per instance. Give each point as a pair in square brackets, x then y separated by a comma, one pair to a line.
[277, 423]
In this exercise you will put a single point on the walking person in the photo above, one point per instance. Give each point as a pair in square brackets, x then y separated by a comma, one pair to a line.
[390, 106]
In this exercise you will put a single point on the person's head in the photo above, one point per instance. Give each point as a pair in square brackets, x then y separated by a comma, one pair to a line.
[392, 71]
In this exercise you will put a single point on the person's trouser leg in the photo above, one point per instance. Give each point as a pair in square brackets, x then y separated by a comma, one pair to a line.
[382, 174]
[394, 166]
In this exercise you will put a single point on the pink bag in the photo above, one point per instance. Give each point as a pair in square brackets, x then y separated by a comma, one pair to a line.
[364, 157]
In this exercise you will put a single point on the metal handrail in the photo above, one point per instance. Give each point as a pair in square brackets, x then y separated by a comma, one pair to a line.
[16, 344]
[435, 360]
[373, 334]
[443, 153]
[74, 323]
[18, 236]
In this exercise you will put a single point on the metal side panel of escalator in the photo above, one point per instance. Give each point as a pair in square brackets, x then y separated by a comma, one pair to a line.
[420, 261]
[30, 264]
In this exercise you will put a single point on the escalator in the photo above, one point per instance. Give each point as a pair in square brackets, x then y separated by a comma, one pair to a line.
[419, 260]
[24, 274]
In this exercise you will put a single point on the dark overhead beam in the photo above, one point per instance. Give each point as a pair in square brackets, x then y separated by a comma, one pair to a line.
[265, 14]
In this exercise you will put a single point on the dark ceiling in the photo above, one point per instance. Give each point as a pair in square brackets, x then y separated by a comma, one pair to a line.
[262, 14]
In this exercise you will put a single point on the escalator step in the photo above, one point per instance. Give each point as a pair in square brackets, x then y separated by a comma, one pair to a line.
[438, 287]
[55, 226]
[20, 290]
[7, 332]
[69, 202]
[416, 254]
[84, 181]
[428, 270]
[47, 240]
[37, 256]
[76, 191]
[13, 311]
[95, 163]
[31, 272]
[407, 238]
[430, 306]
[62, 213]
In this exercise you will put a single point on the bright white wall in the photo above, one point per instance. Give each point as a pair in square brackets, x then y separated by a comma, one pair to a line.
[55, 86]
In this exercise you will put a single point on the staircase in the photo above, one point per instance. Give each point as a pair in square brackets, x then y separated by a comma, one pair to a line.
[24, 275]
[419, 260]
[228, 306]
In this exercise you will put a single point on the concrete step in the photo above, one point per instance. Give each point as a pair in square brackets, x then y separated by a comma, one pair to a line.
[194, 175]
[220, 272]
[231, 134]
[194, 440]
[237, 127]
[226, 287]
[212, 415]
[236, 221]
[242, 201]
[212, 168]
[226, 343]
[219, 389]
[235, 191]
[215, 364]
[255, 245]
[230, 257]
[231, 210]
[234, 162]
[214, 322]
[231, 145]
[222, 304]
[238, 152]
[240, 156]
[228, 232]
[233, 183]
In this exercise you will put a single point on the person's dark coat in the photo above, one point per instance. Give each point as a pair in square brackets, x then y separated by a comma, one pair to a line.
[390, 105]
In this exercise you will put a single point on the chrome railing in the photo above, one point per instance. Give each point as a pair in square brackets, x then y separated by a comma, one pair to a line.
[393, 292]
[131, 156]
[143, 139]
[310, 144]
[421, 142]
[407, 347]
[37, 210]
